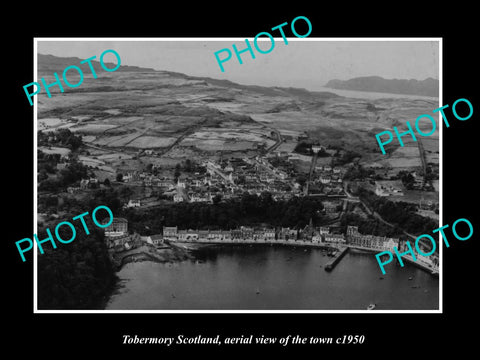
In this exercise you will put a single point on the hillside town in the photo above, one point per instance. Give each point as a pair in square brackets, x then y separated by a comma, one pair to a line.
[349, 195]
[210, 181]
[232, 178]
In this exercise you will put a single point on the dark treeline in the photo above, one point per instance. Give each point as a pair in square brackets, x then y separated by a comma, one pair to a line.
[72, 173]
[400, 213]
[77, 275]
[369, 225]
[112, 198]
[60, 137]
[249, 210]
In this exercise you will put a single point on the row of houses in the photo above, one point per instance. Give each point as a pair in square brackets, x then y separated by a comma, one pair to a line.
[370, 241]
[116, 235]
[90, 183]
[192, 197]
[320, 235]
[328, 169]
[327, 179]
[277, 173]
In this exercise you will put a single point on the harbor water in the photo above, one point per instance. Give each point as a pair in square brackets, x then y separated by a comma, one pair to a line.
[266, 277]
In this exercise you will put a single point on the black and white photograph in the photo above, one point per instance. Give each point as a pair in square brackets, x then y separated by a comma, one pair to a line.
[205, 180]
[260, 187]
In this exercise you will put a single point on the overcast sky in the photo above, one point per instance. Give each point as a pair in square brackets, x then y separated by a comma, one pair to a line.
[307, 63]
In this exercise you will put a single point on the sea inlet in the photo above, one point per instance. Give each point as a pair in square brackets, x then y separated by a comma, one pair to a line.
[263, 277]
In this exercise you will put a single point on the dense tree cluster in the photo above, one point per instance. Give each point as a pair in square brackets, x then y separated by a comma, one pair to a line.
[60, 137]
[250, 210]
[46, 164]
[400, 213]
[73, 172]
[407, 178]
[78, 275]
[305, 148]
[190, 166]
[345, 157]
[358, 172]
[368, 225]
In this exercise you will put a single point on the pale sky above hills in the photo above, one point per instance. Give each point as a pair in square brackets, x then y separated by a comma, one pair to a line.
[307, 63]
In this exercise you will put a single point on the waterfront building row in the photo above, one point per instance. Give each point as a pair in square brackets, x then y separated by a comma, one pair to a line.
[117, 234]
[319, 235]
[381, 243]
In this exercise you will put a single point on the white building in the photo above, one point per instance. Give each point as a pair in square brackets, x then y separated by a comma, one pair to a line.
[323, 230]
[325, 179]
[178, 198]
[170, 233]
[132, 203]
[382, 189]
[187, 235]
[390, 244]
[335, 238]
[118, 227]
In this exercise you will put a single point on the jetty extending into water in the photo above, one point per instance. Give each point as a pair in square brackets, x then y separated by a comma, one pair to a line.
[167, 252]
[336, 259]
[338, 250]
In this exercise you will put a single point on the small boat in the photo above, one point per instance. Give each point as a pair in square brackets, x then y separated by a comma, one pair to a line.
[258, 291]
[410, 278]
[371, 306]
[381, 277]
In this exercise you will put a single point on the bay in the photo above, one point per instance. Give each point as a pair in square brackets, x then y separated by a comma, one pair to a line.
[273, 278]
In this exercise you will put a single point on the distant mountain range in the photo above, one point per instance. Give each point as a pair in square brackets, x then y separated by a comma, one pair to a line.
[427, 87]
[48, 64]
[183, 116]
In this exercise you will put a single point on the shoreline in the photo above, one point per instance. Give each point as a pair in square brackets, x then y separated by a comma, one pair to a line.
[177, 251]
[198, 244]
[165, 254]
[123, 283]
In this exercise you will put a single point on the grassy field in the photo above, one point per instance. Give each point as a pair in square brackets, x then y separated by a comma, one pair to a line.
[91, 129]
[151, 142]
[415, 196]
